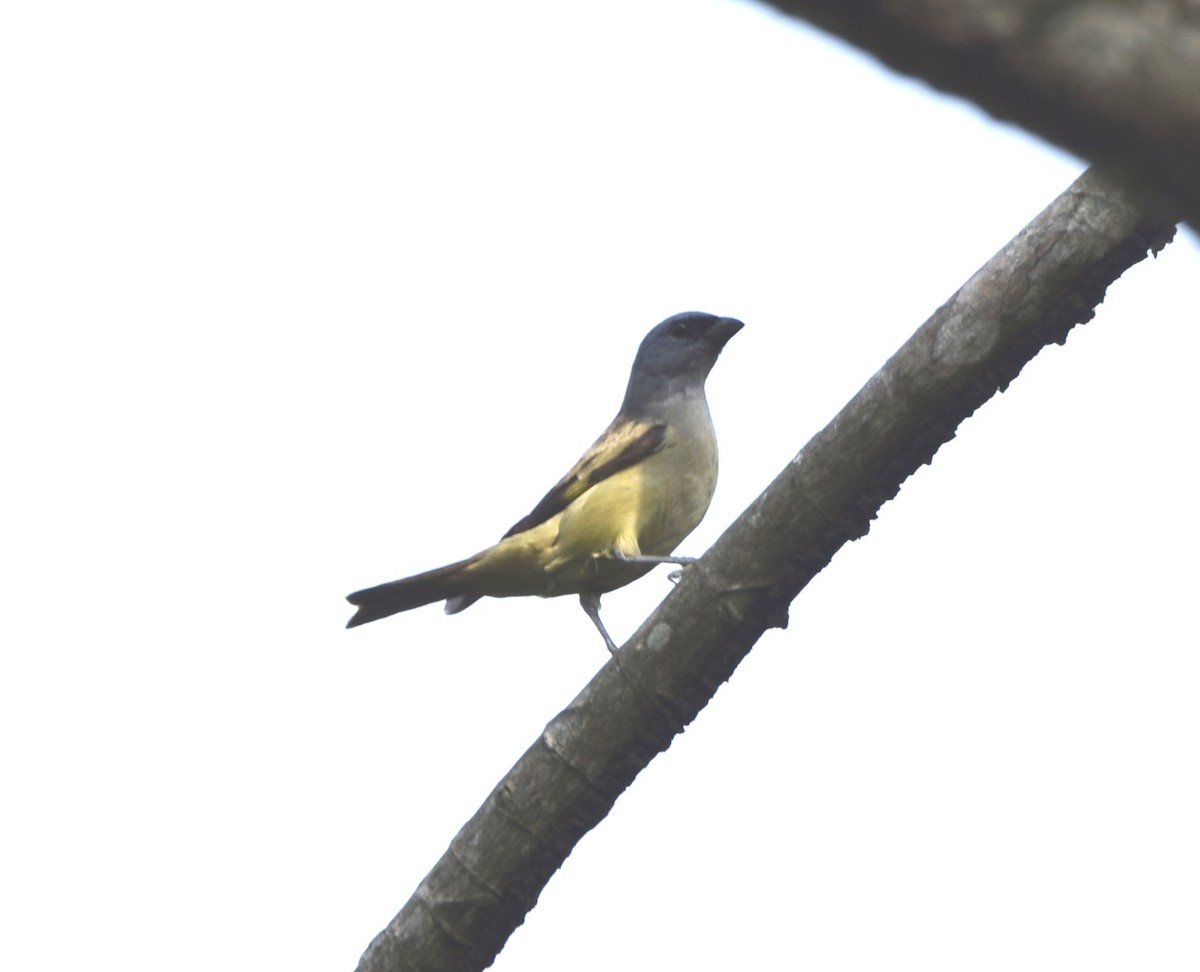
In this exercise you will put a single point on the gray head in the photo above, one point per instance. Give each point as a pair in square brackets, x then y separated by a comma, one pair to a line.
[677, 356]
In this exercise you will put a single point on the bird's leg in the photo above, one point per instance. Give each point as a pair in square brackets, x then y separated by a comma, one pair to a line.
[590, 602]
[617, 554]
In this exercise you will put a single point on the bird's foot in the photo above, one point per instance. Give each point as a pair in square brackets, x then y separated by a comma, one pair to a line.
[652, 559]
[591, 605]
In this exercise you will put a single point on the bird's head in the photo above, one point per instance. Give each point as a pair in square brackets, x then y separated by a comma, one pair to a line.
[678, 354]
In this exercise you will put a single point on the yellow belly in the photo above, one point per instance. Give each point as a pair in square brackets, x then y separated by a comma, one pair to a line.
[646, 509]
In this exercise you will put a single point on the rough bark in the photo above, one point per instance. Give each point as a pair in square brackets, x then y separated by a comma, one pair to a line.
[1049, 278]
[1113, 81]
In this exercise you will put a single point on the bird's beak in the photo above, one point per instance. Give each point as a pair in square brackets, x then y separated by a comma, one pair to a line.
[722, 329]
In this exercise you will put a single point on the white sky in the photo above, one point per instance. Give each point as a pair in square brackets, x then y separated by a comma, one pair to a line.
[304, 297]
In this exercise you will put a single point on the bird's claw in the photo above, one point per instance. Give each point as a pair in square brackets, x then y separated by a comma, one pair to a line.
[651, 559]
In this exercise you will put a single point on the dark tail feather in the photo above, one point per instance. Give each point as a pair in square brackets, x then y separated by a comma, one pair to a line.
[393, 597]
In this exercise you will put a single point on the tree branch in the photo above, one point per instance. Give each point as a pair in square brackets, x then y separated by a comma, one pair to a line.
[1049, 278]
[1113, 81]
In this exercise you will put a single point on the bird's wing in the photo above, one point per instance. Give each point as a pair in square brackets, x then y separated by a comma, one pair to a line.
[622, 444]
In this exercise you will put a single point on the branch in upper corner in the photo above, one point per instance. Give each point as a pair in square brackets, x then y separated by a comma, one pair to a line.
[1049, 278]
[1114, 82]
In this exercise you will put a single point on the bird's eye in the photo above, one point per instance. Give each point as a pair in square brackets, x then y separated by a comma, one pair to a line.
[678, 329]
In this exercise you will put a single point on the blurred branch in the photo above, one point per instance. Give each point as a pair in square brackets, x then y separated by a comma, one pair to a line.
[1049, 278]
[1115, 82]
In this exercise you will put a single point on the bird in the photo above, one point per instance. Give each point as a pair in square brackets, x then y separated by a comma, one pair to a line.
[623, 508]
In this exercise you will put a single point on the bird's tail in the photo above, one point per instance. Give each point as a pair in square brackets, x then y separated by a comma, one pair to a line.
[443, 584]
